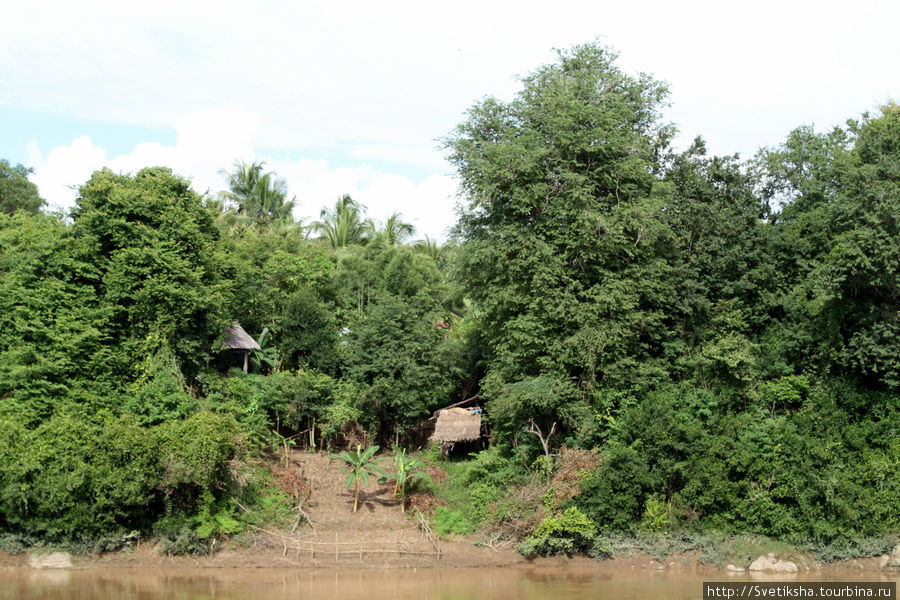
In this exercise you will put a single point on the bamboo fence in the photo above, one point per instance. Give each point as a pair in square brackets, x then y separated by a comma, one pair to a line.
[349, 549]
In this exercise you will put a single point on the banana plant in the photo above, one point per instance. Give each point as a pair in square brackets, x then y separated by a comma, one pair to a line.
[408, 469]
[265, 355]
[359, 467]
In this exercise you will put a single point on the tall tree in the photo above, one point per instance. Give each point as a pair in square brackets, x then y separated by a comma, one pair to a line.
[837, 234]
[154, 246]
[563, 235]
[259, 197]
[724, 265]
[396, 231]
[345, 224]
[16, 192]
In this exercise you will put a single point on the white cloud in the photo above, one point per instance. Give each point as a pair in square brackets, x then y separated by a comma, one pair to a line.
[64, 169]
[211, 140]
[378, 83]
[427, 204]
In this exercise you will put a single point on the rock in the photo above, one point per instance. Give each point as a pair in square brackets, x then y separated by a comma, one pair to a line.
[770, 562]
[895, 556]
[734, 569]
[763, 563]
[884, 560]
[54, 560]
[785, 566]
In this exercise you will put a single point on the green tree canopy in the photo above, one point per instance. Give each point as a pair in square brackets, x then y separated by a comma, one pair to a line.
[155, 247]
[16, 192]
[837, 248]
[564, 234]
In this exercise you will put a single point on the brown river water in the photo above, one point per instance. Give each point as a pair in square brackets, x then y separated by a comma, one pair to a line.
[488, 583]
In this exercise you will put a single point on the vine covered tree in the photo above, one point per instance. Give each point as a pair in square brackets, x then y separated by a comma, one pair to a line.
[563, 234]
[153, 245]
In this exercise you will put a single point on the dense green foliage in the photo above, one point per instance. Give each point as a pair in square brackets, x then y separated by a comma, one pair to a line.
[16, 192]
[723, 332]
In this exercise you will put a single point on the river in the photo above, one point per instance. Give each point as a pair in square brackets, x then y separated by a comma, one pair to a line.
[495, 583]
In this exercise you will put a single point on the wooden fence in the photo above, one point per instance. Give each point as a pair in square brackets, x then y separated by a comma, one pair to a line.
[349, 549]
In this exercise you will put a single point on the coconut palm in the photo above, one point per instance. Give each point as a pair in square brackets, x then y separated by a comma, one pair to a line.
[259, 199]
[428, 246]
[396, 231]
[345, 224]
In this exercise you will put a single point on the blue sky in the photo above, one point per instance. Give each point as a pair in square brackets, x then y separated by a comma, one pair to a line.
[351, 98]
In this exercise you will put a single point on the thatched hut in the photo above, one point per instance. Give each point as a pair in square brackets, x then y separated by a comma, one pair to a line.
[455, 425]
[238, 339]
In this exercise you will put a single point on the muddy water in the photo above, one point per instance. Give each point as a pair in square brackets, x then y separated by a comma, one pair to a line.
[539, 583]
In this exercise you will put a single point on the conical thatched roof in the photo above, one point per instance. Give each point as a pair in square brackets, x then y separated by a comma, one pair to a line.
[457, 425]
[238, 339]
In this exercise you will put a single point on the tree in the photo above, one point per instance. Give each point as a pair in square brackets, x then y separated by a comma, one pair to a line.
[396, 303]
[54, 328]
[564, 237]
[260, 198]
[396, 231]
[344, 225]
[408, 469]
[360, 467]
[16, 192]
[836, 246]
[725, 267]
[154, 248]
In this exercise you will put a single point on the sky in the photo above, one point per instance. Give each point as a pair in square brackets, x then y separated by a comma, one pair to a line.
[354, 97]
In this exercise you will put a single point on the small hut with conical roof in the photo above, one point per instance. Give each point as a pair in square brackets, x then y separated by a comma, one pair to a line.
[237, 339]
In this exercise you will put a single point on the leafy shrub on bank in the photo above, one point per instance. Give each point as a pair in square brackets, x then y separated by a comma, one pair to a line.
[451, 522]
[567, 533]
[74, 477]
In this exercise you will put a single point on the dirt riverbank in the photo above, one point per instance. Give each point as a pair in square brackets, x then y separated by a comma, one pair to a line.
[378, 535]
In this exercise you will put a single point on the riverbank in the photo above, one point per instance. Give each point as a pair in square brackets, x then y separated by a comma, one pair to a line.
[380, 535]
[457, 554]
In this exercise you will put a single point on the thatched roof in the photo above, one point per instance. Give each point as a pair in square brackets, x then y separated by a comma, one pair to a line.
[238, 339]
[457, 425]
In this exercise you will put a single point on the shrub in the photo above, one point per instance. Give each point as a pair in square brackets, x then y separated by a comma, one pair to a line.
[568, 533]
[656, 515]
[447, 522]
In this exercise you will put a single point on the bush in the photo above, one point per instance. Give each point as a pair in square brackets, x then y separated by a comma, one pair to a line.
[195, 454]
[447, 522]
[613, 496]
[73, 478]
[568, 533]
[656, 515]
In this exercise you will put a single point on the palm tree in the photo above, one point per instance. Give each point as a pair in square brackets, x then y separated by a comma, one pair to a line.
[225, 216]
[345, 224]
[259, 198]
[428, 246]
[395, 231]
